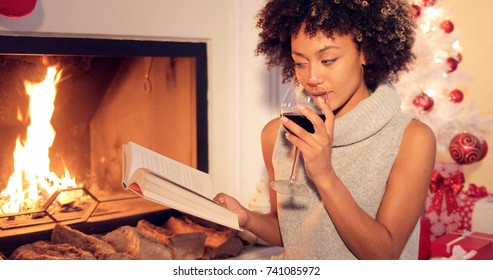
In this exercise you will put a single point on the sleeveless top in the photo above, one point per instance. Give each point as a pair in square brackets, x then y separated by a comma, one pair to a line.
[365, 145]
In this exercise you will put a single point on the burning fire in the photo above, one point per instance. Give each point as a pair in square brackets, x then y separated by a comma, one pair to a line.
[32, 180]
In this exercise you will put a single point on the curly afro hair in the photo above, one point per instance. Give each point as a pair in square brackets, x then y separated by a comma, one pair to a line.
[383, 29]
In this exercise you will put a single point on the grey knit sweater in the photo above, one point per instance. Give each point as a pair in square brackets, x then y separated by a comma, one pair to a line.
[366, 142]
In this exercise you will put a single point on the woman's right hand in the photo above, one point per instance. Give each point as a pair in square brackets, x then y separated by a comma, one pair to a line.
[316, 147]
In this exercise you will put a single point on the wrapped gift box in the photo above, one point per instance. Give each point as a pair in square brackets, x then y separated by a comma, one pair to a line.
[482, 243]
[442, 205]
[450, 207]
[424, 252]
[467, 200]
[482, 214]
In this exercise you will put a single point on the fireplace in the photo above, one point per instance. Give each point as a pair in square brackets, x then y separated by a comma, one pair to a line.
[110, 91]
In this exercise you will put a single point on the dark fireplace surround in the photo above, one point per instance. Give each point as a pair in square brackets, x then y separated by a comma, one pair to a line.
[87, 140]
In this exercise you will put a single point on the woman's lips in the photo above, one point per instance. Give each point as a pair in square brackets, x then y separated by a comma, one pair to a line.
[323, 95]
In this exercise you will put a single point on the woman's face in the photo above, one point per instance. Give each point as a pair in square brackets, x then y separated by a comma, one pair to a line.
[333, 63]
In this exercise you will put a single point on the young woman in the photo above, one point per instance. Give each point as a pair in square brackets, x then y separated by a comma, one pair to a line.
[368, 164]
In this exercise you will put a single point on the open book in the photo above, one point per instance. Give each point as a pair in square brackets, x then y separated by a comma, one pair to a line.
[173, 184]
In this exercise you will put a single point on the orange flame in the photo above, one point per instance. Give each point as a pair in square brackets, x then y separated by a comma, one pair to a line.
[32, 176]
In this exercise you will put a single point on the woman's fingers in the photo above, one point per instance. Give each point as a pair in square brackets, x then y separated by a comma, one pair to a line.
[328, 113]
[323, 126]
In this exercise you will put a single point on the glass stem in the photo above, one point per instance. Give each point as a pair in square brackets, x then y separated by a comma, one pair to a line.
[295, 163]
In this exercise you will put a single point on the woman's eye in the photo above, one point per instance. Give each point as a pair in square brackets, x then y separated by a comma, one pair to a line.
[300, 64]
[328, 61]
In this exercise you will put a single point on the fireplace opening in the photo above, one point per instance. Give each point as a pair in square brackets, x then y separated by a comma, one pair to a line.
[108, 92]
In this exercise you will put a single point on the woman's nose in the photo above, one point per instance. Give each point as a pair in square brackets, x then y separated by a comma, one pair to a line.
[313, 82]
[313, 78]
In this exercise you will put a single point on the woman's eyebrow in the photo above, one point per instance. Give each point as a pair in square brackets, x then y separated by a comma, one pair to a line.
[326, 48]
[322, 50]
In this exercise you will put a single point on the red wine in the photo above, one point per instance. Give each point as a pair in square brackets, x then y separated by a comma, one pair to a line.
[303, 121]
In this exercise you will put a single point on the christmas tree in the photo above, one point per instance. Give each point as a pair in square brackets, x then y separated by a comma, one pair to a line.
[435, 88]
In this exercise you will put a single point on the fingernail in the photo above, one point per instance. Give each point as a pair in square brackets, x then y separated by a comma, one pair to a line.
[321, 99]
[284, 119]
[302, 107]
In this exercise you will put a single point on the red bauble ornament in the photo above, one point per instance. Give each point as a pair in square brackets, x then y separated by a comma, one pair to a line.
[16, 8]
[452, 64]
[423, 102]
[415, 11]
[458, 57]
[429, 3]
[466, 148]
[447, 26]
[456, 96]
[484, 147]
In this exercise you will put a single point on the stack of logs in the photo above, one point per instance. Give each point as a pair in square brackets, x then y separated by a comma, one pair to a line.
[180, 238]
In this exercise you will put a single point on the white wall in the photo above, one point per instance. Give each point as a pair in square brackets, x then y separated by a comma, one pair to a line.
[238, 85]
[257, 100]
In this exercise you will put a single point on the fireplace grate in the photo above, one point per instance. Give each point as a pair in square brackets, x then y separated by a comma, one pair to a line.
[67, 213]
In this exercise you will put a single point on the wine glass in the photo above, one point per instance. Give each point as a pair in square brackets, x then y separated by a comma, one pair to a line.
[297, 95]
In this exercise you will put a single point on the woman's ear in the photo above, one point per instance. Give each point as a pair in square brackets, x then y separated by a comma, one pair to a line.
[362, 58]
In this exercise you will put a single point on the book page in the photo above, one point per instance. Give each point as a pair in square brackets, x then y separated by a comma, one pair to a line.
[171, 170]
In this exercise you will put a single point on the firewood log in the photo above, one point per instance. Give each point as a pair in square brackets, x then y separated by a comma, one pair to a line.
[218, 243]
[46, 250]
[99, 248]
[130, 240]
[184, 246]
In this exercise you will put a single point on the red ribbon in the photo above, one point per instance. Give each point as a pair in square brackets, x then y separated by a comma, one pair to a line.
[445, 187]
[477, 192]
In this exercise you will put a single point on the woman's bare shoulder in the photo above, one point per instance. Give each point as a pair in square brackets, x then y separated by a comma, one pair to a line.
[418, 146]
[269, 135]
[270, 130]
[420, 132]
[272, 126]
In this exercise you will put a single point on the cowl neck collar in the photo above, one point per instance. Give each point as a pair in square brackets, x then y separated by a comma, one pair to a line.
[368, 117]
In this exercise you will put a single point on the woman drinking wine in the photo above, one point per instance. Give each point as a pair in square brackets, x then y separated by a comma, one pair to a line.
[368, 164]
